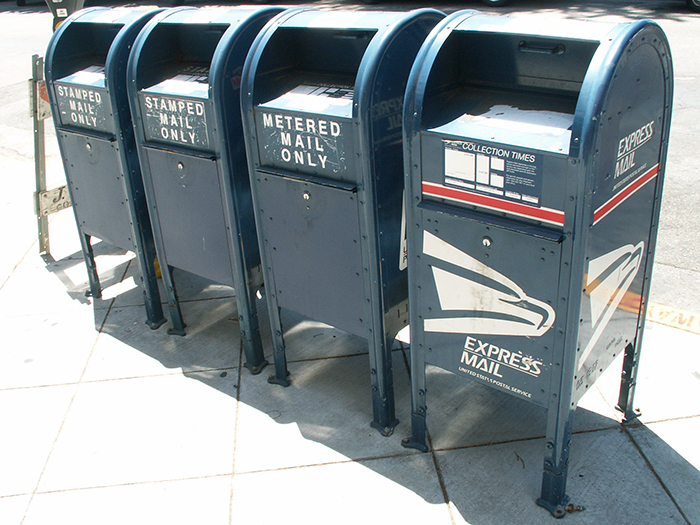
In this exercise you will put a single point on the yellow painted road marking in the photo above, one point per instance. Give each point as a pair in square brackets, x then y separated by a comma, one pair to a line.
[674, 317]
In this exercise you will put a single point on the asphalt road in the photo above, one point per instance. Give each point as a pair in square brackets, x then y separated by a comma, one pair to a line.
[676, 281]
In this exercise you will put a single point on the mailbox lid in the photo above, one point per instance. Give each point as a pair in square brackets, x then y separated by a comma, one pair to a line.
[176, 110]
[361, 19]
[514, 123]
[83, 100]
[308, 130]
[545, 27]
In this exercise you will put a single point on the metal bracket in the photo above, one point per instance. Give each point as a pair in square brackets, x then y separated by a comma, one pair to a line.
[51, 201]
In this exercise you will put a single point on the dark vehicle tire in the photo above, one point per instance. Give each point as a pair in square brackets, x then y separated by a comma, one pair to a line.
[694, 5]
[501, 3]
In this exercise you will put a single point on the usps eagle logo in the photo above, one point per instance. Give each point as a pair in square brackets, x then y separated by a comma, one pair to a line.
[481, 300]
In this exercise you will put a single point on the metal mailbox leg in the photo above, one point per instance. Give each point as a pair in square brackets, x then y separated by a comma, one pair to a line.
[560, 420]
[94, 280]
[382, 385]
[281, 376]
[145, 250]
[178, 327]
[249, 325]
[149, 284]
[629, 383]
[417, 439]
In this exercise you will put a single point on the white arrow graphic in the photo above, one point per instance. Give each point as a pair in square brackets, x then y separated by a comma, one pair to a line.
[609, 278]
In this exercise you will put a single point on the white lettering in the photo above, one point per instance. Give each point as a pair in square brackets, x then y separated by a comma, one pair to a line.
[177, 120]
[303, 140]
[310, 126]
[488, 358]
[635, 139]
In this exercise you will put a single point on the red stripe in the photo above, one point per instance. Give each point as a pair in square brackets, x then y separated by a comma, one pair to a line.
[625, 194]
[540, 214]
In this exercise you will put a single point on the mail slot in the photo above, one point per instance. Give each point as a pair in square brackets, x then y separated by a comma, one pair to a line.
[184, 87]
[86, 81]
[323, 92]
[535, 154]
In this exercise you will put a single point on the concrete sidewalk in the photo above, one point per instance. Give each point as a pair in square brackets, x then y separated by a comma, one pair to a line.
[105, 421]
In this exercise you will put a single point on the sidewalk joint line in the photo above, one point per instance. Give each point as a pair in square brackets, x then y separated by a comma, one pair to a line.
[656, 474]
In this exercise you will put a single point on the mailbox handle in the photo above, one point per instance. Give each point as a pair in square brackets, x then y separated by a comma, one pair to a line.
[543, 48]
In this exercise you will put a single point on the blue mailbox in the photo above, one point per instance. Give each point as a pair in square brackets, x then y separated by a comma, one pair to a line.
[184, 81]
[535, 155]
[86, 81]
[322, 99]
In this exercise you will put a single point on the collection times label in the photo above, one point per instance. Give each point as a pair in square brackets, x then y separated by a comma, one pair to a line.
[500, 172]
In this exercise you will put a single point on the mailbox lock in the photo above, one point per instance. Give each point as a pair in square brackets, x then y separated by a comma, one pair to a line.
[486, 241]
[88, 146]
[307, 196]
[180, 166]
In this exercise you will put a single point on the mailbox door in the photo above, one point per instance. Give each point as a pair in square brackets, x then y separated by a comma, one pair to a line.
[487, 302]
[97, 187]
[316, 228]
[190, 212]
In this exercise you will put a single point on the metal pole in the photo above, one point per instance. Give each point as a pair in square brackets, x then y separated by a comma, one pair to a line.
[39, 153]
